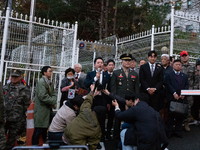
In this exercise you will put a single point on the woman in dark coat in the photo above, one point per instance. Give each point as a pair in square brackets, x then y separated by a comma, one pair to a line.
[68, 83]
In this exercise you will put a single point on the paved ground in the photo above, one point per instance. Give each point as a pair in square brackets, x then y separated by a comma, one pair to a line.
[190, 141]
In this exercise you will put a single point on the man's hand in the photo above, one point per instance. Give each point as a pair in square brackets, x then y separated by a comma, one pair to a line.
[106, 92]
[96, 92]
[92, 86]
[182, 96]
[114, 103]
[108, 107]
[98, 75]
[176, 96]
[151, 91]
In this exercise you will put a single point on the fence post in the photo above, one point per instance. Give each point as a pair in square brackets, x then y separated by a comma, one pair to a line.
[172, 31]
[77, 54]
[5, 35]
[152, 38]
[94, 56]
[74, 43]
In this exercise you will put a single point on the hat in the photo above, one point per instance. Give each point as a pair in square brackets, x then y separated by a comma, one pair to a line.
[16, 73]
[198, 61]
[126, 56]
[183, 53]
[165, 55]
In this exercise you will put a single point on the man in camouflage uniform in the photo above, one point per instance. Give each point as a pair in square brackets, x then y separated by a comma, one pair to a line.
[17, 100]
[2, 120]
[189, 70]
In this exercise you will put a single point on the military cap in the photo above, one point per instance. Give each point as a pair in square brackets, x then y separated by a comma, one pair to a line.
[183, 53]
[126, 56]
[16, 73]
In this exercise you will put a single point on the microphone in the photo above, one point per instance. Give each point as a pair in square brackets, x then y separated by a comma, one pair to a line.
[98, 69]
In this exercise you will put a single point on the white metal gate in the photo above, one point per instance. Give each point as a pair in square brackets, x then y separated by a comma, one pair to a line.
[53, 43]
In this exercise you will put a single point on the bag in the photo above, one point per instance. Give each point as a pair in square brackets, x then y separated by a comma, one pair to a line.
[178, 109]
[164, 113]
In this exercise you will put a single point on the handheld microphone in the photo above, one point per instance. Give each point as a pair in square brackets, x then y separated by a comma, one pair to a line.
[98, 69]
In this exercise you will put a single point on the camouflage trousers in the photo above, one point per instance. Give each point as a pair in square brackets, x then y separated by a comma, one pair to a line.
[2, 137]
[190, 103]
[14, 129]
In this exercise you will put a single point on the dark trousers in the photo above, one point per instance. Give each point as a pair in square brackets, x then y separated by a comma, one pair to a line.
[171, 121]
[154, 101]
[117, 125]
[196, 107]
[111, 115]
[36, 135]
[55, 135]
[101, 101]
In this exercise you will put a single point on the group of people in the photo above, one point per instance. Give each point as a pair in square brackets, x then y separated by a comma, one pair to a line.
[130, 94]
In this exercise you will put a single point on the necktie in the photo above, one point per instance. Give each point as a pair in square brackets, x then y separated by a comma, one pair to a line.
[76, 76]
[177, 73]
[152, 71]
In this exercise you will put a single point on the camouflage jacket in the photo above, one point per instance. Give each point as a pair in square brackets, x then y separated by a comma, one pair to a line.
[197, 77]
[1, 105]
[189, 70]
[17, 100]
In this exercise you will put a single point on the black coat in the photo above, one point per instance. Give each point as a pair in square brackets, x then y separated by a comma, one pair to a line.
[66, 82]
[147, 81]
[149, 126]
[173, 86]
[102, 100]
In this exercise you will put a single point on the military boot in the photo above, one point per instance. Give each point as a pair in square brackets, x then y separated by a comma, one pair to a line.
[187, 128]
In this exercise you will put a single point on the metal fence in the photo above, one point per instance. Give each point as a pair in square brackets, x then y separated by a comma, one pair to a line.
[52, 43]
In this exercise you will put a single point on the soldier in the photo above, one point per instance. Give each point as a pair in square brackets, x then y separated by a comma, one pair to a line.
[17, 100]
[2, 120]
[122, 81]
[189, 70]
[196, 104]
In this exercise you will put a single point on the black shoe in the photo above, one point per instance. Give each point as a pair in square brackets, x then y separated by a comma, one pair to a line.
[102, 138]
[99, 146]
[178, 135]
[109, 137]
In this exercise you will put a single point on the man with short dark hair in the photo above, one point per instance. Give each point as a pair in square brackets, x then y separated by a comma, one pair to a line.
[147, 131]
[17, 100]
[133, 65]
[45, 100]
[110, 108]
[175, 82]
[151, 79]
[101, 79]
[63, 117]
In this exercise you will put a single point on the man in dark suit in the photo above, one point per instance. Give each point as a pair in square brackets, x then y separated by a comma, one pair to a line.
[79, 76]
[123, 80]
[101, 79]
[110, 107]
[175, 82]
[151, 79]
[147, 131]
